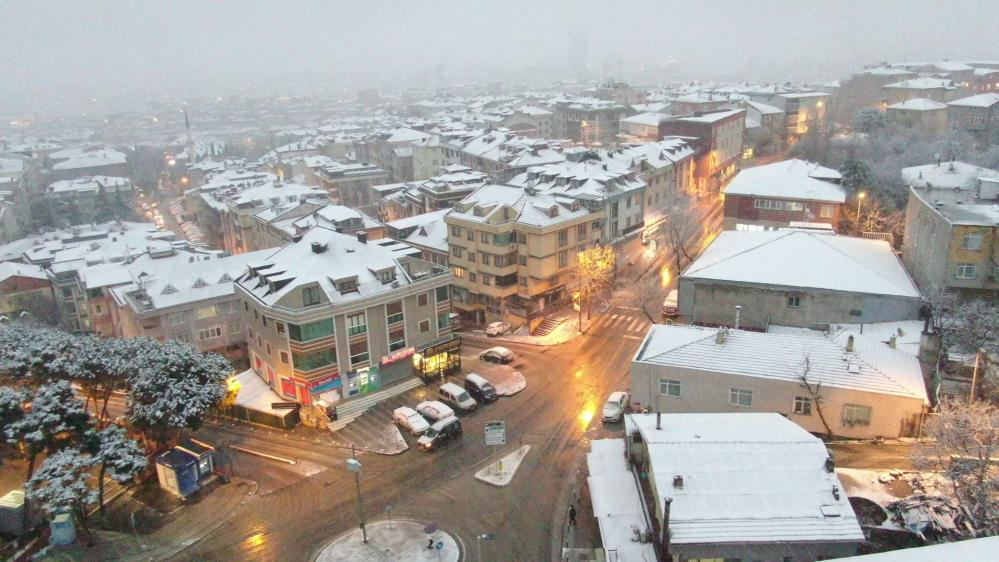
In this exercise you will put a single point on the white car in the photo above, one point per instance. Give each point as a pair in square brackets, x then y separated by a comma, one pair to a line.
[434, 410]
[616, 406]
[497, 355]
[497, 328]
[410, 420]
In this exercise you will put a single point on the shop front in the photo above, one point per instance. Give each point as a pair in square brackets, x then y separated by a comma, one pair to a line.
[439, 358]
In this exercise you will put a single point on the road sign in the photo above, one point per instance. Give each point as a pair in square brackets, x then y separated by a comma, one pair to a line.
[285, 405]
[440, 545]
[495, 433]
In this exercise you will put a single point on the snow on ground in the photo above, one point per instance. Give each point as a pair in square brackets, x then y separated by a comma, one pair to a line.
[501, 473]
[564, 332]
[504, 379]
[885, 487]
[396, 540]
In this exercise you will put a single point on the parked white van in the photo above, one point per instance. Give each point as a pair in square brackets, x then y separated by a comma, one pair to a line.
[457, 397]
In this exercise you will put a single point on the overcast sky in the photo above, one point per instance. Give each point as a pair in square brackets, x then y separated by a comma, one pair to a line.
[56, 52]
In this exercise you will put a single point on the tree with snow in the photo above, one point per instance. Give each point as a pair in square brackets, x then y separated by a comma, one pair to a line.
[174, 387]
[102, 367]
[61, 485]
[103, 212]
[118, 457]
[54, 420]
[966, 326]
[11, 411]
[40, 354]
[965, 441]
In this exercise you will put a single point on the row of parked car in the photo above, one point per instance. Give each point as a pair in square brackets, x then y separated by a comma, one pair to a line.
[435, 421]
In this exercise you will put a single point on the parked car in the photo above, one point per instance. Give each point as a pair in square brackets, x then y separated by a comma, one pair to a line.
[670, 309]
[497, 328]
[480, 389]
[497, 355]
[434, 410]
[456, 397]
[616, 406]
[410, 420]
[440, 433]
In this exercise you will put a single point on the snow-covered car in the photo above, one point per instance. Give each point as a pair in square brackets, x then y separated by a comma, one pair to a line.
[616, 406]
[497, 328]
[434, 410]
[410, 420]
[497, 355]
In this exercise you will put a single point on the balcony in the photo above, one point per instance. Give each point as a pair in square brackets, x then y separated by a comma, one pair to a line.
[506, 280]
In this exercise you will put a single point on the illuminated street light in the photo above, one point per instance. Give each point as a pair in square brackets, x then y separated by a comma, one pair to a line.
[860, 199]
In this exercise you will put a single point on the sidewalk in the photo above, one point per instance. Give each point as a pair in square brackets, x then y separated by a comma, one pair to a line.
[395, 540]
[186, 526]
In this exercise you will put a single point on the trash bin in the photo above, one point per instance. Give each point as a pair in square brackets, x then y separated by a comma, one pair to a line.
[63, 530]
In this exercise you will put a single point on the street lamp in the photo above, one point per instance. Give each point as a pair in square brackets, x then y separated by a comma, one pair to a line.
[478, 544]
[354, 465]
[860, 199]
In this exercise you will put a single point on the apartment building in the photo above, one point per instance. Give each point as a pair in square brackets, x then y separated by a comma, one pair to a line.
[331, 316]
[397, 201]
[276, 226]
[513, 250]
[718, 136]
[976, 114]
[952, 227]
[925, 115]
[773, 196]
[503, 155]
[590, 120]
[238, 207]
[24, 288]
[427, 233]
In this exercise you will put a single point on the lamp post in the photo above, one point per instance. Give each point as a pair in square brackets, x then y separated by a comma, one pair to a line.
[354, 465]
[478, 544]
[860, 199]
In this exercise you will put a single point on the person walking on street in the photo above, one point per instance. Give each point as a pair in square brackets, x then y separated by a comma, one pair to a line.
[572, 515]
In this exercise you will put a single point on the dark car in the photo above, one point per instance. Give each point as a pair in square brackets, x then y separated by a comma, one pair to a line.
[479, 388]
[440, 433]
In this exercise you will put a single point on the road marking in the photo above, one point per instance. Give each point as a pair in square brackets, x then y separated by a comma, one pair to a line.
[634, 323]
[633, 337]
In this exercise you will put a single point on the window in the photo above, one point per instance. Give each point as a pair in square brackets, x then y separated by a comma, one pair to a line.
[826, 211]
[269, 352]
[966, 270]
[472, 277]
[594, 226]
[581, 232]
[235, 328]
[310, 331]
[794, 302]
[972, 241]
[471, 234]
[471, 257]
[740, 397]
[397, 338]
[424, 326]
[249, 331]
[522, 260]
[563, 258]
[522, 281]
[802, 406]
[487, 279]
[263, 319]
[209, 333]
[486, 259]
[563, 237]
[284, 357]
[279, 327]
[669, 388]
[778, 205]
[175, 319]
[458, 272]
[521, 238]
[358, 351]
[855, 414]
[443, 319]
[456, 231]
[422, 299]
[313, 360]
[484, 237]
[356, 324]
[393, 311]
[97, 309]
[310, 296]
[232, 307]
[456, 251]
[442, 294]
[186, 338]
[207, 312]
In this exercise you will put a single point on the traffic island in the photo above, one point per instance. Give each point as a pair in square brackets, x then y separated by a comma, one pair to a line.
[501, 473]
[392, 540]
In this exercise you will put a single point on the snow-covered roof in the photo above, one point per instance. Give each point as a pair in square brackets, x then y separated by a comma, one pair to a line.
[885, 71]
[961, 206]
[709, 116]
[746, 478]
[256, 395]
[807, 260]
[512, 150]
[503, 203]
[90, 183]
[274, 193]
[429, 229]
[918, 104]
[648, 119]
[763, 109]
[617, 504]
[971, 550]
[924, 83]
[981, 100]
[11, 166]
[945, 175]
[79, 158]
[876, 367]
[13, 269]
[789, 179]
[592, 178]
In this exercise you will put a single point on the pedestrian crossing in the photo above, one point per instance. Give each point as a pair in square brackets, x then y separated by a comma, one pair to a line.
[622, 324]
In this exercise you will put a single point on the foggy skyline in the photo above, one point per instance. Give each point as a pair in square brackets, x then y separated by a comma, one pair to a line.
[60, 55]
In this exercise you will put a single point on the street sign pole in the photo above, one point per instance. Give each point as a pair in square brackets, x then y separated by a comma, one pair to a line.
[354, 466]
[495, 432]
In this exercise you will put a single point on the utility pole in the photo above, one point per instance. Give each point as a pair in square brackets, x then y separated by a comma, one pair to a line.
[354, 465]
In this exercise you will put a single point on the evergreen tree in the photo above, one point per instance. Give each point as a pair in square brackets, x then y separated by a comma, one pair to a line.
[103, 212]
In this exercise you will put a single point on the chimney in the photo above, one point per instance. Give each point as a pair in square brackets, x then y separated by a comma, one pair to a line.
[318, 247]
[720, 336]
[665, 529]
[362, 237]
[849, 344]
[659, 420]
[738, 312]
[893, 342]
[678, 482]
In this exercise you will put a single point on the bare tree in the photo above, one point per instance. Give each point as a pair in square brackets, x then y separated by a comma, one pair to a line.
[679, 232]
[966, 326]
[964, 440]
[814, 390]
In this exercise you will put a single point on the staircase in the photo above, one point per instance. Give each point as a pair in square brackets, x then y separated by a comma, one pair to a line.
[350, 410]
[548, 325]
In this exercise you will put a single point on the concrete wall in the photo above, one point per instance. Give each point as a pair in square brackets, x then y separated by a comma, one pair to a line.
[713, 303]
[926, 243]
[708, 392]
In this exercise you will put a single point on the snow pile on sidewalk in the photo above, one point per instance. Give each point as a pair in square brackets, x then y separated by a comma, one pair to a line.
[504, 379]
[501, 473]
[398, 540]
